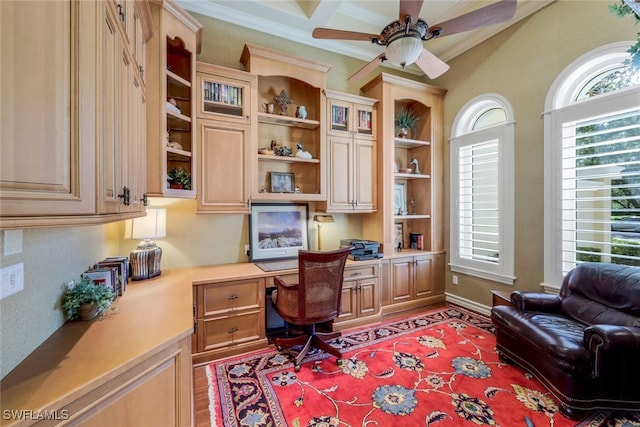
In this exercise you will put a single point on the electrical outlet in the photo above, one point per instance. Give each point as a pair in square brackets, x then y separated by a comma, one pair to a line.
[246, 249]
[455, 279]
[11, 280]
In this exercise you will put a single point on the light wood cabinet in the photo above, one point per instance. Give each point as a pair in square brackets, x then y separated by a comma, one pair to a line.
[63, 158]
[171, 131]
[410, 200]
[412, 281]
[225, 131]
[122, 131]
[360, 302]
[229, 318]
[351, 147]
[304, 82]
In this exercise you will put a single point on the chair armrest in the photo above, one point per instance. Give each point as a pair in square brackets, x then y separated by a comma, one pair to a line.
[536, 301]
[608, 344]
[281, 284]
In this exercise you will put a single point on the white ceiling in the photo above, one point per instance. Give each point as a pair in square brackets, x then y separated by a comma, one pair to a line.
[296, 19]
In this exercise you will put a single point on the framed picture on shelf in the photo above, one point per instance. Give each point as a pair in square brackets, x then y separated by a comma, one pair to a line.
[282, 182]
[398, 235]
[400, 199]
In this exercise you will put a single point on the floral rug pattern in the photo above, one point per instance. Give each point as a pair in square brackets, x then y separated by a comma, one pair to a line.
[436, 369]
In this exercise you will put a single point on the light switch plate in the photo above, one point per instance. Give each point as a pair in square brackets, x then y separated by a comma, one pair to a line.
[11, 280]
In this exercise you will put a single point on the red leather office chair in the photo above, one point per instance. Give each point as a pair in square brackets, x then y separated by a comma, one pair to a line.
[314, 299]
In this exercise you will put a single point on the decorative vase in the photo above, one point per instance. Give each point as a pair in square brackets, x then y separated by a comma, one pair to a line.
[403, 132]
[87, 311]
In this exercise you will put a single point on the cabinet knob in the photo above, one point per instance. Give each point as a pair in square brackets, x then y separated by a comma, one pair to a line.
[145, 200]
[232, 330]
[232, 297]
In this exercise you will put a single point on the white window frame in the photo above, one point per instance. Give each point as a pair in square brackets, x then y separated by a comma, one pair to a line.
[561, 106]
[463, 134]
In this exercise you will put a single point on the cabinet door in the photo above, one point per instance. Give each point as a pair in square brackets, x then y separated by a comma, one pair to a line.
[401, 279]
[348, 302]
[224, 167]
[368, 300]
[364, 174]
[423, 282]
[47, 156]
[340, 173]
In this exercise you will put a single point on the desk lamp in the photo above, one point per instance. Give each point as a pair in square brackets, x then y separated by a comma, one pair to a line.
[320, 219]
[145, 259]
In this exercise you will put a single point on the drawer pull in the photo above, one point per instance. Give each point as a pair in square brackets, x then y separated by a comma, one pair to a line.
[357, 273]
[232, 297]
[232, 330]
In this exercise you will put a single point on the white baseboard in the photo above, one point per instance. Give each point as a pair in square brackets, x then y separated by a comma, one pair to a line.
[468, 304]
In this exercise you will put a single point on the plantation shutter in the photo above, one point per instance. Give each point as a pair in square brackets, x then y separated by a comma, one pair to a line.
[478, 201]
[601, 188]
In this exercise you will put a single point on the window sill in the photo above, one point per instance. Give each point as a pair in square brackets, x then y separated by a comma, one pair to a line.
[488, 275]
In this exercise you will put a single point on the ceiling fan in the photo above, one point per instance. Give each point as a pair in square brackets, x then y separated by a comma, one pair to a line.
[403, 38]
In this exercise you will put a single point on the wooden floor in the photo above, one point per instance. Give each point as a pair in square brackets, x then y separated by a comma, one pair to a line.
[201, 395]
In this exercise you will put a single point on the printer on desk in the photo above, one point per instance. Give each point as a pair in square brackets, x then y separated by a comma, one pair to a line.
[362, 249]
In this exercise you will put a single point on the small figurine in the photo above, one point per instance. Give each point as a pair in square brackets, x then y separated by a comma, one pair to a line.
[283, 101]
[414, 162]
[301, 112]
[303, 154]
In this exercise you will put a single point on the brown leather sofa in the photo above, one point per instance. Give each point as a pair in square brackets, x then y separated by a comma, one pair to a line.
[583, 344]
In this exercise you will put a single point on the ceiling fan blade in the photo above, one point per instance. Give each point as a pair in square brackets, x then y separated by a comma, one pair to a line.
[496, 13]
[431, 64]
[328, 33]
[410, 8]
[367, 68]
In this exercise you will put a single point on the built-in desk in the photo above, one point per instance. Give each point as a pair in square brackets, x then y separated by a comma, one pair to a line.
[230, 305]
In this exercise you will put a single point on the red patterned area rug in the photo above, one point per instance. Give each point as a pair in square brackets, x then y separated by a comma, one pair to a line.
[436, 369]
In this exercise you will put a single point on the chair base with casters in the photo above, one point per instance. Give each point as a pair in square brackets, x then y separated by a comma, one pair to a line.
[314, 300]
[312, 340]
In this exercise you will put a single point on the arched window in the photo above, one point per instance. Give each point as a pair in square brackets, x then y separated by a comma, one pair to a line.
[592, 164]
[482, 189]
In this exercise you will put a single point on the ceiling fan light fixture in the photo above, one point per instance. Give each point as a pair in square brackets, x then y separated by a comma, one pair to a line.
[404, 51]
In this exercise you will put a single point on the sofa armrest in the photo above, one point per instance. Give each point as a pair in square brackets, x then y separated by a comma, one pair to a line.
[609, 343]
[536, 301]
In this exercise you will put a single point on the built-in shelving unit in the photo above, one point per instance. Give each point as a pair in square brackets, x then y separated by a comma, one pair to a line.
[409, 220]
[171, 137]
[304, 83]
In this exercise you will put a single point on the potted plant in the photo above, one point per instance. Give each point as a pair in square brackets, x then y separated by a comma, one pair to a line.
[85, 299]
[406, 120]
[179, 178]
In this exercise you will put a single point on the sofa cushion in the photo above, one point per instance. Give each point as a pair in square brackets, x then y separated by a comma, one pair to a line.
[558, 337]
[602, 293]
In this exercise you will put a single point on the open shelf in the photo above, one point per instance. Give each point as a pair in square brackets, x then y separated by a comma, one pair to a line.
[273, 158]
[288, 121]
[409, 143]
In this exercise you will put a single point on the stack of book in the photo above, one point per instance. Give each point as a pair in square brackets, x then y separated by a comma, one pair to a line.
[112, 272]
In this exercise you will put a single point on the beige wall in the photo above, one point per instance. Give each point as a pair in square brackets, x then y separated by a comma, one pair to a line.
[521, 64]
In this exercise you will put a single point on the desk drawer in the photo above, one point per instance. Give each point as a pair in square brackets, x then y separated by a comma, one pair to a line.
[230, 330]
[360, 272]
[217, 298]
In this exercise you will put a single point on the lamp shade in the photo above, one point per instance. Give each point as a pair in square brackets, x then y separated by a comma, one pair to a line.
[404, 51]
[152, 226]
